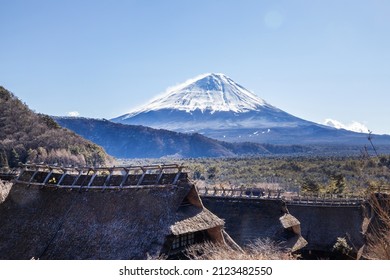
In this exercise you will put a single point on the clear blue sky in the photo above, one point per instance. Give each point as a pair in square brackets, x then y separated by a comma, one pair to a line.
[313, 59]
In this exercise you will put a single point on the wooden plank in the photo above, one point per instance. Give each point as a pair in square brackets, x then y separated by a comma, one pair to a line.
[92, 179]
[31, 184]
[159, 176]
[107, 181]
[62, 178]
[32, 177]
[85, 179]
[141, 179]
[176, 178]
[48, 176]
[125, 178]
[77, 178]
[20, 174]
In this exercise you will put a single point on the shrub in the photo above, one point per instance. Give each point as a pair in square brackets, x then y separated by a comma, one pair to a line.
[259, 250]
[378, 233]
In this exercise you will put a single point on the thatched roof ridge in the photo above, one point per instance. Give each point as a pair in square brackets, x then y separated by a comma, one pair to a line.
[289, 220]
[192, 219]
[296, 243]
[4, 189]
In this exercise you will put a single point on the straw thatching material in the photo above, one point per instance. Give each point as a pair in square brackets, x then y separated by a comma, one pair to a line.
[296, 243]
[289, 221]
[46, 223]
[4, 189]
[193, 219]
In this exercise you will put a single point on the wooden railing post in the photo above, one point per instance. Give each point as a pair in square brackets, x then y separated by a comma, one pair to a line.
[177, 175]
[107, 181]
[48, 176]
[123, 180]
[92, 178]
[62, 178]
[77, 177]
[142, 176]
[32, 178]
[159, 175]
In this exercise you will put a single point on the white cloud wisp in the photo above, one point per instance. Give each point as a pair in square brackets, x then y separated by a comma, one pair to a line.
[354, 126]
[73, 114]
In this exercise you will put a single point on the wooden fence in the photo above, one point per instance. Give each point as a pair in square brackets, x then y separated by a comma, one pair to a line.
[100, 178]
[326, 200]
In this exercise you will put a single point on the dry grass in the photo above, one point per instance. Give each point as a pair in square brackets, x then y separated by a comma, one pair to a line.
[259, 250]
[378, 234]
[5, 187]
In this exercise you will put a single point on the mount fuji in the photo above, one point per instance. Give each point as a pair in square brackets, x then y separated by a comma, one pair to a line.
[216, 106]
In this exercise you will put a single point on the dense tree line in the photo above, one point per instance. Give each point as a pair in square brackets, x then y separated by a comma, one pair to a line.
[354, 175]
[29, 137]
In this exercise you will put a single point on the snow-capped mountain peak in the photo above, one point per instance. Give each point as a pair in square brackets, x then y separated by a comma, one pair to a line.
[208, 92]
[209, 102]
[215, 106]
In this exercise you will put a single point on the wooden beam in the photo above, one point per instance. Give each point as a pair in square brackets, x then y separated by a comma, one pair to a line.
[92, 179]
[85, 179]
[108, 178]
[32, 177]
[159, 176]
[77, 177]
[48, 176]
[125, 178]
[142, 177]
[62, 178]
[176, 177]
[20, 174]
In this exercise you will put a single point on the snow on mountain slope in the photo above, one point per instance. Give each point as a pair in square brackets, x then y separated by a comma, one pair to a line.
[207, 92]
[217, 107]
[214, 105]
[209, 101]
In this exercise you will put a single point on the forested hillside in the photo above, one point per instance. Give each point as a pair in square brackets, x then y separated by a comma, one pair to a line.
[27, 136]
[134, 141]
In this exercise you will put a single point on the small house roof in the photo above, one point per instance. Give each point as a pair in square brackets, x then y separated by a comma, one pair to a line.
[192, 219]
[289, 220]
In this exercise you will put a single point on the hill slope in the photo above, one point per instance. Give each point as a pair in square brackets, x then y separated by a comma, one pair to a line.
[130, 141]
[27, 136]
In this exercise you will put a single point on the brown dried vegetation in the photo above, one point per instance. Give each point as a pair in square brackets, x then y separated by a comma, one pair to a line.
[378, 231]
[258, 250]
[4, 190]
[27, 136]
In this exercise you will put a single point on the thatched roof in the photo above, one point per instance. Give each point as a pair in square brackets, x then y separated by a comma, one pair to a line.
[4, 189]
[296, 243]
[192, 219]
[289, 220]
[133, 223]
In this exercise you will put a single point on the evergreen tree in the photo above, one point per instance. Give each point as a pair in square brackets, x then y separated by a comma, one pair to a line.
[14, 158]
[337, 184]
[309, 185]
[3, 159]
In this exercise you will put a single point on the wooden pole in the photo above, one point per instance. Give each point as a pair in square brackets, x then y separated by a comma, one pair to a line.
[124, 178]
[48, 176]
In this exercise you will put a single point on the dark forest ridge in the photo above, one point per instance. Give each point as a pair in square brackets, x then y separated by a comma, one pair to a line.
[131, 141]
